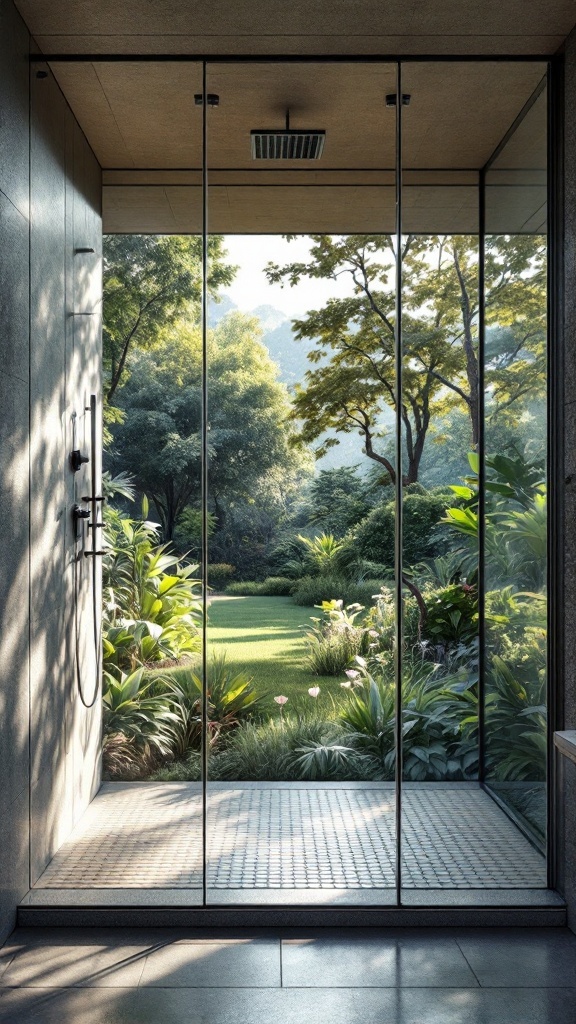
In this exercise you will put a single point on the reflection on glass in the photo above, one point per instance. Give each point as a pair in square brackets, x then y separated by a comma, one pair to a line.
[515, 500]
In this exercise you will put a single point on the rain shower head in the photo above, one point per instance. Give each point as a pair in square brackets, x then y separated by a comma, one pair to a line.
[287, 143]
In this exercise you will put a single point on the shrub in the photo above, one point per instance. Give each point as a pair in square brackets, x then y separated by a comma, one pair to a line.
[311, 591]
[452, 615]
[137, 723]
[439, 722]
[219, 575]
[247, 589]
[335, 640]
[275, 751]
[276, 586]
[231, 698]
[423, 534]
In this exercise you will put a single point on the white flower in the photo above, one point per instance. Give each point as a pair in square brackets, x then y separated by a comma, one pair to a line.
[281, 700]
[352, 673]
[373, 632]
[314, 691]
[346, 685]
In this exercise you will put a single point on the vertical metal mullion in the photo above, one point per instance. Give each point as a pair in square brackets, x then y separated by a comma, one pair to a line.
[481, 478]
[398, 537]
[204, 475]
[555, 452]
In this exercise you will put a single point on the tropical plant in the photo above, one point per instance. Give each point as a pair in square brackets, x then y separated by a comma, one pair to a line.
[324, 759]
[149, 596]
[137, 723]
[296, 748]
[321, 554]
[334, 640]
[452, 616]
[438, 721]
[231, 697]
[515, 724]
[515, 529]
[267, 750]
[443, 570]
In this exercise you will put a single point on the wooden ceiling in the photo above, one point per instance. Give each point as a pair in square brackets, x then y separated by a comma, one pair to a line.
[396, 27]
[146, 130]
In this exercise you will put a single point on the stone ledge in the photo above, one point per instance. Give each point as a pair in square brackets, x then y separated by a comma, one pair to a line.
[566, 743]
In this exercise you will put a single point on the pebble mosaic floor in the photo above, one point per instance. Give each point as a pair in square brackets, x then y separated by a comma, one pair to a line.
[290, 836]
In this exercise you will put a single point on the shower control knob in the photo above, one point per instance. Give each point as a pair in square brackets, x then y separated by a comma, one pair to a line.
[77, 459]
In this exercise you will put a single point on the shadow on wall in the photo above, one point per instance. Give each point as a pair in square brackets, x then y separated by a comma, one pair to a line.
[65, 319]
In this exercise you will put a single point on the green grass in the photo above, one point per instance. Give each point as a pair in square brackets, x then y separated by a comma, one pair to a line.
[262, 637]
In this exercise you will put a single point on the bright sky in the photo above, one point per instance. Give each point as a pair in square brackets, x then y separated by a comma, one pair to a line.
[250, 288]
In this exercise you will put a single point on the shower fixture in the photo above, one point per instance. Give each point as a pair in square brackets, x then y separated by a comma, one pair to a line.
[287, 143]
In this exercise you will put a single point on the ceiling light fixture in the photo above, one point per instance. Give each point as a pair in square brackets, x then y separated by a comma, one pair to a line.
[391, 99]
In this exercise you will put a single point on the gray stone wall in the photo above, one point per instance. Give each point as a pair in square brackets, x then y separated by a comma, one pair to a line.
[50, 187]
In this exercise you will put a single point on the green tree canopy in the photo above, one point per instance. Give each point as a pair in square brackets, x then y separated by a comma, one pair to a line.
[149, 282]
[336, 500]
[353, 383]
[248, 440]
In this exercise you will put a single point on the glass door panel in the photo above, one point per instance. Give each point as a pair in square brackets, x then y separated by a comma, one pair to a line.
[515, 516]
[440, 430]
[464, 400]
[301, 768]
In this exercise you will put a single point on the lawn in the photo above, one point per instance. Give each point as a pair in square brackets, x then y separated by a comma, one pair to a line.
[262, 637]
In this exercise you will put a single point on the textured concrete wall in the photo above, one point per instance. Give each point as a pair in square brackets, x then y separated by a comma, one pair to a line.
[50, 189]
[14, 484]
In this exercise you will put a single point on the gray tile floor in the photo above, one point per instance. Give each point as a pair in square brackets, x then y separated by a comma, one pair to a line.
[398, 976]
[271, 836]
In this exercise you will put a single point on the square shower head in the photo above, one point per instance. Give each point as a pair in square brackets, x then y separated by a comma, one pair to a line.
[287, 143]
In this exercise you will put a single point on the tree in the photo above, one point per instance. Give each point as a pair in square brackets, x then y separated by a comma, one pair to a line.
[441, 274]
[336, 500]
[355, 379]
[149, 282]
[353, 384]
[248, 439]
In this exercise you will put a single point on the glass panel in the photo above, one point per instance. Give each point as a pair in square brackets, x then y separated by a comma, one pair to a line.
[515, 472]
[301, 805]
[143, 831]
[440, 433]
[446, 814]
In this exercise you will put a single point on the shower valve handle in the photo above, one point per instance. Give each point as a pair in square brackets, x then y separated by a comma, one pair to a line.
[77, 459]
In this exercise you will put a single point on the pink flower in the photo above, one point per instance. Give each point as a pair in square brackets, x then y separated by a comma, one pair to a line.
[281, 700]
[352, 673]
[314, 691]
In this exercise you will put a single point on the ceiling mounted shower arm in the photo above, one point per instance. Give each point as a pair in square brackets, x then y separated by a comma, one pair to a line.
[287, 143]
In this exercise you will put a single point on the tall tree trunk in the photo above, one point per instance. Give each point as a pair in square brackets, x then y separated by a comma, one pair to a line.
[472, 371]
